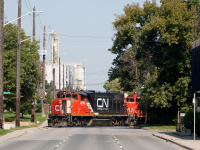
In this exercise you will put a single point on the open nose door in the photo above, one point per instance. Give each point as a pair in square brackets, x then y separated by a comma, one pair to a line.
[68, 106]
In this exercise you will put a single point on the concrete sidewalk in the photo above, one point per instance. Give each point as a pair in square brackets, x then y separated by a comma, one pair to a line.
[186, 142]
[18, 133]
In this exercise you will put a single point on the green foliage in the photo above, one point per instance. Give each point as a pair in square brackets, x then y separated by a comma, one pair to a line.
[190, 117]
[48, 85]
[158, 126]
[49, 96]
[9, 117]
[3, 132]
[113, 86]
[153, 51]
[38, 107]
[30, 71]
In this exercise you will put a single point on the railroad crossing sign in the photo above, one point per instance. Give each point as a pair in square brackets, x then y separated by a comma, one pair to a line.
[6, 92]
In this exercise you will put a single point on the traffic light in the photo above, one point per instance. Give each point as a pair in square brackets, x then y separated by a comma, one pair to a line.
[38, 101]
[44, 101]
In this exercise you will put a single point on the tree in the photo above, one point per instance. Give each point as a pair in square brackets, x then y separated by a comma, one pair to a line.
[153, 50]
[49, 96]
[30, 71]
[107, 86]
[113, 86]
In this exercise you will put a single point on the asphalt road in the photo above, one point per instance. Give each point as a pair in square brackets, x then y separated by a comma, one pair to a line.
[89, 138]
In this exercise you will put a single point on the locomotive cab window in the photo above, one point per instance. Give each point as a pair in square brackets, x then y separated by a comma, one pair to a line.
[68, 95]
[62, 95]
[82, 97]
[138, 100]
[131, 100]
[127, 99]
[75, 96]
[58, 95]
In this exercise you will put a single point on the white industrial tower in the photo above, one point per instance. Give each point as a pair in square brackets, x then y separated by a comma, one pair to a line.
[54, 45]
[77, 70]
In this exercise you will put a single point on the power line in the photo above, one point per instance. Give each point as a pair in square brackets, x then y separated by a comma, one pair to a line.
[94, 84]
[39, 22]
[85, 41]
[85, 36]
[27, 5]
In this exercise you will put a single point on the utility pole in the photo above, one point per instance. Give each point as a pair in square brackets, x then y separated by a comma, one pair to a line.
[53, 69]
[63, 78]
[44, 57]
[178, 115]
[69, 80]
[34, 23]
[72, 78]
[59, 73]
[66, 78]
[1, 59]
[18, 66]
[33, 104]
[84, 62]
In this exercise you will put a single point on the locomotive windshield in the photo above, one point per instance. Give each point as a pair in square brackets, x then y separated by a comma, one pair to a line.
[131, 100]
[75, 96]
[138, 100]
[68, 95]
[62, 95]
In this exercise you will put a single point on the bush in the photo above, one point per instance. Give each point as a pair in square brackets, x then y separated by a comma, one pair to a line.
[38, 107]
[190, 117]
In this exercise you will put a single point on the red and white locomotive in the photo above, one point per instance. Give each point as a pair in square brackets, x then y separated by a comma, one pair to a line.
[132, 104]
[86, 108]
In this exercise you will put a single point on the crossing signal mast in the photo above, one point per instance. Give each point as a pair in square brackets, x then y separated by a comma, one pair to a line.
[44, 101]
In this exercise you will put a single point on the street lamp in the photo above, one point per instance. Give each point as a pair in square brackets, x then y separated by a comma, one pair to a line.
[31, 37]
[23, 16]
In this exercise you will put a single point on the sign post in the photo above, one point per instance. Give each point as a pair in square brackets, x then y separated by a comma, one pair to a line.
[194, 100]
[6, 92]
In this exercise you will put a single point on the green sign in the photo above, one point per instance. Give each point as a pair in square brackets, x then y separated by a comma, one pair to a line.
[6, 92]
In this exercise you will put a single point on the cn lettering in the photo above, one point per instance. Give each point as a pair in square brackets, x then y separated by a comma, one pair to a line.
[101, 101]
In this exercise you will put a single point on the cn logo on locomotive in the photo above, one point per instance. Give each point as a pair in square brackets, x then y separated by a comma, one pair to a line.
[102, 103]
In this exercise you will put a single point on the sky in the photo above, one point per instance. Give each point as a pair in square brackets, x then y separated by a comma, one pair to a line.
[85, 30]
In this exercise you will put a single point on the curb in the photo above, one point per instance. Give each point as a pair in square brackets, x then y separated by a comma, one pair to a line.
[11, 135]
[167, 140]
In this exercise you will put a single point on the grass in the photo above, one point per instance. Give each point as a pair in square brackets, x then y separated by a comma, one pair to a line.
[3, 131]
[175, 133]
[9, 117]
[159, 127]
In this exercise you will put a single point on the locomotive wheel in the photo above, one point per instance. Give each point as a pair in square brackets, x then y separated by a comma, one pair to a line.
[110, 123]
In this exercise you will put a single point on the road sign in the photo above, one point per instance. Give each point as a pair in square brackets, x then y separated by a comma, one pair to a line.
[182, 114]
[6, 92]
